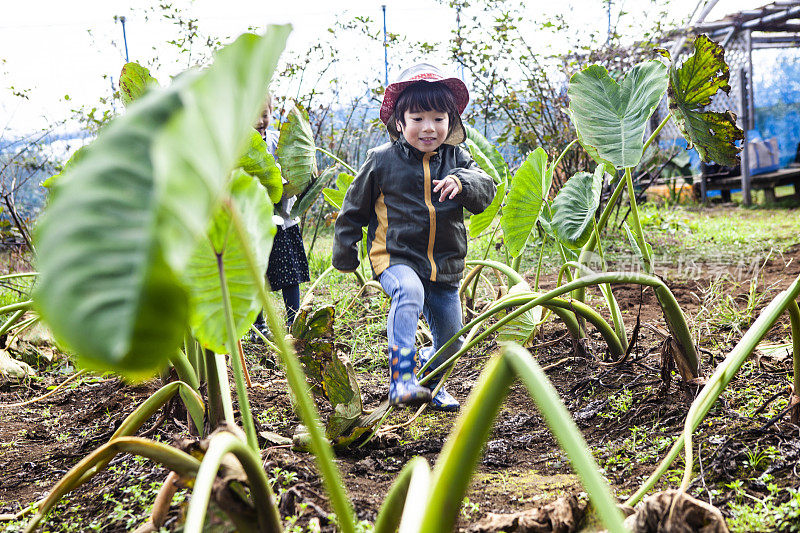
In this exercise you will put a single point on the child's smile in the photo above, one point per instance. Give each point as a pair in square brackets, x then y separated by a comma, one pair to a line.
[425, 130]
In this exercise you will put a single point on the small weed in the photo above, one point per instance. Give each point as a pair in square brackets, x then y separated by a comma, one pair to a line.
[269, 417]
[757, 459]
[765, 514]
[282, 479]
[619, 403]
[469, 508]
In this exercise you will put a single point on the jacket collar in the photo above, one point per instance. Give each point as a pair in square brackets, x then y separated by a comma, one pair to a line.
[411, 151]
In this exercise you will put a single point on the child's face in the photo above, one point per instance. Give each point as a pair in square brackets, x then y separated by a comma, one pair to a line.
[263, 121]
[425, 130]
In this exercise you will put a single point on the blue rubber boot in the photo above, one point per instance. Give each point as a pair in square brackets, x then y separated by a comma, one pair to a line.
[443, 401]
[404, 388]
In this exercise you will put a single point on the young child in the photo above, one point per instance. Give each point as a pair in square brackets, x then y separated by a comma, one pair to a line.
[288, 266]
[411, 194]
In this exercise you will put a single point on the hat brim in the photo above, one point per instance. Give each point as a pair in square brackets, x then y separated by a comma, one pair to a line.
[457, 136]
[392, 93]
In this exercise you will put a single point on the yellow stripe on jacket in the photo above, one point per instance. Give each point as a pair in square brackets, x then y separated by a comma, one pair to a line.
[426, 167]
[378, 255]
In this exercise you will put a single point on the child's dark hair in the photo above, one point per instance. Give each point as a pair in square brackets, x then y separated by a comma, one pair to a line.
[427, 96]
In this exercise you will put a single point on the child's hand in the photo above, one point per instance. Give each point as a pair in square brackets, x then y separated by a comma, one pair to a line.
[449, 187]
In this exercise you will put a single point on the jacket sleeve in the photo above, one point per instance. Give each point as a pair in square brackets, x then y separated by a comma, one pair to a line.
[477, 187]
[356, 211]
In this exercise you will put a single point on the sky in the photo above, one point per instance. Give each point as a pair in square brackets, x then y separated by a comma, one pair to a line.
[63, 55]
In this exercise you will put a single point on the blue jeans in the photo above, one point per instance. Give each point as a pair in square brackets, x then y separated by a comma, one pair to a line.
[410, 295]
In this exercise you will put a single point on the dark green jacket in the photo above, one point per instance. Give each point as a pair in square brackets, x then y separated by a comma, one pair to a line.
[406, 224]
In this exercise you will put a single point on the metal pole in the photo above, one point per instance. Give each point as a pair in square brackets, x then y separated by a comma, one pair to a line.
[125, 39]
[608, 35]
[744, 82]
[458, 33]
[748, 39]
[385, 50]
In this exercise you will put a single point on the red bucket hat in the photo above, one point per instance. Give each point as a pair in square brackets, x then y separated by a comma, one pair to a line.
[424, 72]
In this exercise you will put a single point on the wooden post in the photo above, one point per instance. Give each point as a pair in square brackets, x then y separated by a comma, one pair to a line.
[745, 159]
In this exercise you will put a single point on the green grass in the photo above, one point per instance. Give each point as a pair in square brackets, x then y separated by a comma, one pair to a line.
[724, 234]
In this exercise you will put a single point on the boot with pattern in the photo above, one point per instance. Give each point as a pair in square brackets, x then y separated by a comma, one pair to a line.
[443, 401]
[404, 388]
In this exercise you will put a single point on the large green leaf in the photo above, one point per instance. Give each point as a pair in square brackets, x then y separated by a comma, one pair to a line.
[312, 193]
[691, 88]
[297, 152]
[531, 184]
[611, 118]
[481, 221]
[125, 215]
[523, 328]
[194, 154]
[105, 290]
[134, 81]
[258, 162]
[574, 207]
[482, 161]
[222, 249]
[335, 197]
[489, 152]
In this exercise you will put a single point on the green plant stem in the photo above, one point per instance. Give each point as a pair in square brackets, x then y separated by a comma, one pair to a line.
[613, 306]
[223, 389]
[310, 292]
[190, 349]
[724, 373]
[184, 369]
[264, 502]
[601, 224]
[24, 306]
[140, 415]
[569, 437]
[360, 277]
[392, 508]
[345, 165]
[539, 266]
[463, 448]
[563, 153]
[19, 275]
[672, 311]
[525, 303]
[794, 317]
[513, 276]
[21, 327]
[306, 409]
[485, 255]
[516, 262]
[638, 233]
[216, 411]
[12, 320]
[236, 361]
[172, 458]
[655, 133]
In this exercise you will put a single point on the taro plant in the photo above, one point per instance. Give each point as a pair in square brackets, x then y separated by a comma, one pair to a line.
[174, 231]
[611, 119]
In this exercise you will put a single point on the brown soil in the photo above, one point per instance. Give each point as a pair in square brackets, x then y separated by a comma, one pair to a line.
[521, 466]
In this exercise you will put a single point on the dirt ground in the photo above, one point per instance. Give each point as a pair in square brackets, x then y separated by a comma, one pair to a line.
[522, 466]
